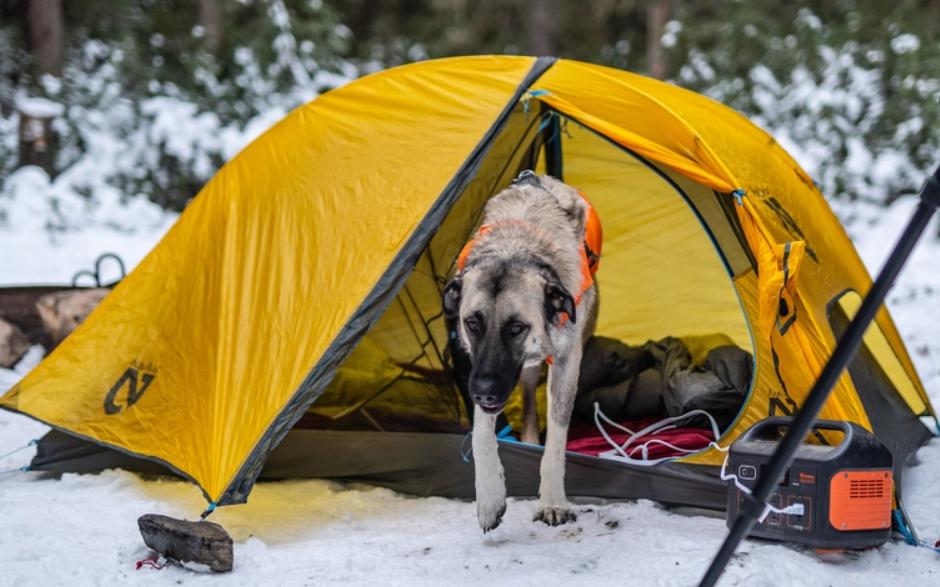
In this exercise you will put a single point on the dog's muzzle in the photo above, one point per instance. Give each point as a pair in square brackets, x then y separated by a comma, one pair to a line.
[487, 393]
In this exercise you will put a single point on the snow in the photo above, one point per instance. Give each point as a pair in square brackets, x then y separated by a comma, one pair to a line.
[39, 107]
[82, 529]
[9, 377]
[671, 33]
[906, 43]
[48, 232]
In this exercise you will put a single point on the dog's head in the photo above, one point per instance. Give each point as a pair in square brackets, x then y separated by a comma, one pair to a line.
[504, 312]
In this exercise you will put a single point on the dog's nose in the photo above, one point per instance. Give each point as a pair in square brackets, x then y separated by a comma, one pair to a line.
[484, 390]
[486, 400]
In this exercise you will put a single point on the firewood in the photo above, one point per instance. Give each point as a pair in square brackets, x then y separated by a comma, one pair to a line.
[13, 344]
[63, 311]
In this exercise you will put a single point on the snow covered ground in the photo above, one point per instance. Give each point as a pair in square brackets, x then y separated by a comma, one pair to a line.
[82, 530]
[48, 232]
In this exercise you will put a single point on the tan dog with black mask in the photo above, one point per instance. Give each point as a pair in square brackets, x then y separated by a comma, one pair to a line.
[525, 294]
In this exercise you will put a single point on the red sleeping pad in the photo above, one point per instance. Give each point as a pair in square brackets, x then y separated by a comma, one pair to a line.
[586, 439]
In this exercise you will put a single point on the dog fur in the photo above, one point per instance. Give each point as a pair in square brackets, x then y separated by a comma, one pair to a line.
[518, 281]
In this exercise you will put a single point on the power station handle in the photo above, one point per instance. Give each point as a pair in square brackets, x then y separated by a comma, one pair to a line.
[757, 431]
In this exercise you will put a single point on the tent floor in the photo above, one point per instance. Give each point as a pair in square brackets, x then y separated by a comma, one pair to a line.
[422, 464]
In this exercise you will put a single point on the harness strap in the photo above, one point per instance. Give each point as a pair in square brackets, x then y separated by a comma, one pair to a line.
[590, 251]
[590, 248]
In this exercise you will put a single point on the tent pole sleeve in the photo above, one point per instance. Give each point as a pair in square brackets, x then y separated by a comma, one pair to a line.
[553, 161]
[845, 350]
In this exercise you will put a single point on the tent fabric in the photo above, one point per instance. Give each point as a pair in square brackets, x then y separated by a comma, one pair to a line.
[258, 290]
[696, 136]
[303, 282]
[648, 226]
[423, 464]
[889, 414]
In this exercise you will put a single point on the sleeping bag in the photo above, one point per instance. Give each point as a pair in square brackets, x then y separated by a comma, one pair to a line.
[658, 380]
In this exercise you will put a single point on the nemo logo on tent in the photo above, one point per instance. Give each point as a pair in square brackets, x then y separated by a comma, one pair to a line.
[137, 378]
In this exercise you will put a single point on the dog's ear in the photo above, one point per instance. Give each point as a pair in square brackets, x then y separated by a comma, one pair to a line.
[558, 300]
[452, 297]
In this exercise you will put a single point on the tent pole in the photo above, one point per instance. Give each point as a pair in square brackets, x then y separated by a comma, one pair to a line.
[752, 506]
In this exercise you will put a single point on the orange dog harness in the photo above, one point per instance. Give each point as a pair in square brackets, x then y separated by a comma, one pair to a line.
[590, 249]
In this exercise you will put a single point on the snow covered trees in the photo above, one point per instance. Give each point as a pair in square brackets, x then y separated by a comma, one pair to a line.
[161, 92]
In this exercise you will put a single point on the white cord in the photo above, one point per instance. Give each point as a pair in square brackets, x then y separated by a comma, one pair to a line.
[619, 452]
[794, 509]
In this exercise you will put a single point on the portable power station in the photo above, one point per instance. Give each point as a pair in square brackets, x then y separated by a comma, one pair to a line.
[846, 489]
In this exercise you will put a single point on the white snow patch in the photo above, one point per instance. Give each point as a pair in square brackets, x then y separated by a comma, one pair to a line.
[50, 232]
[906, 43]
[808, 18]
[9, 377]
[37, 107]
[671, 33]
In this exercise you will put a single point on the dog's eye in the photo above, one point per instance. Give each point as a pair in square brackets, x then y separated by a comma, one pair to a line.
[517, 328]
[473, 325]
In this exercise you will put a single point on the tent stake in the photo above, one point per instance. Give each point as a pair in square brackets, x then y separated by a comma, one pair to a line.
[752, 506]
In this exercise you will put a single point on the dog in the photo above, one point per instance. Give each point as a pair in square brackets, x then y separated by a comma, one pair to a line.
[524, 294]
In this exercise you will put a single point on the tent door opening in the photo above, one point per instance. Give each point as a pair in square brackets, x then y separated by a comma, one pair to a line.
[664, 275]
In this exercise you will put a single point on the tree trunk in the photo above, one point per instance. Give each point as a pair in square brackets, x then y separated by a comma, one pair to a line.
[210, 17]
[37, 142]
[44, 33]
[541, 24]
[657, 14]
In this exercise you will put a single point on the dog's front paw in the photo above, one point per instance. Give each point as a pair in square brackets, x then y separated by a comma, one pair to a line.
[490, 514]
[554, 516]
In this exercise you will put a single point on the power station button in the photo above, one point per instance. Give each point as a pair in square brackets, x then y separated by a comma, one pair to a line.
[748, 472]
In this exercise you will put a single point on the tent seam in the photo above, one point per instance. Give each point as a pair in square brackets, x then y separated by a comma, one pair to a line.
[698, 137]
[251, 467]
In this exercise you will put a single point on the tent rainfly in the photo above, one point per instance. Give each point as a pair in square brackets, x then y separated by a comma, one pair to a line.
[289, 324]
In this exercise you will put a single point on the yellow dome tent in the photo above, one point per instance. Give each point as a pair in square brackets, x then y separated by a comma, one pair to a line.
[301, 288]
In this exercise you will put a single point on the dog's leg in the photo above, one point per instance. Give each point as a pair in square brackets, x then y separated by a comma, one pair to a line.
[562, 384]
[530, 412]
[488, 471]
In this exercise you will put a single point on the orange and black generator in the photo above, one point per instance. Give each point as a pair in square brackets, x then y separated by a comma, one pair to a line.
[842, 476]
